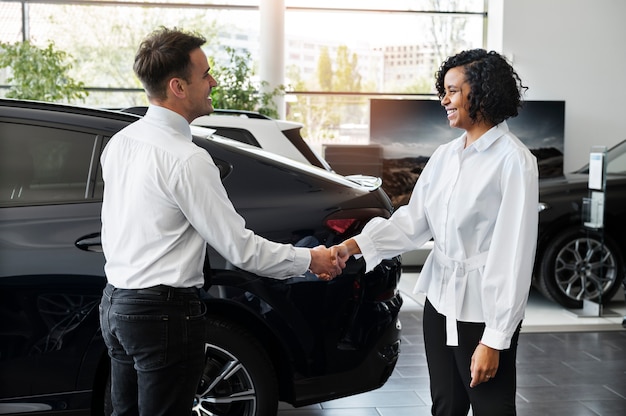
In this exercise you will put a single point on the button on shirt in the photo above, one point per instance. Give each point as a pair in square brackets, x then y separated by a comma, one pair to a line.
[479, 205]
[163, 199]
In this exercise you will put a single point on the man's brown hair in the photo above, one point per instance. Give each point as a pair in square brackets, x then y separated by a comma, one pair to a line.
[162, 55]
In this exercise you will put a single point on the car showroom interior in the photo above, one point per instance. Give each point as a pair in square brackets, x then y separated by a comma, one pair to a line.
[323, 116]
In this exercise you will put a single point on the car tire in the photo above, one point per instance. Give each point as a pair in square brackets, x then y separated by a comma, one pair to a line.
[238, 377]
[577, 264]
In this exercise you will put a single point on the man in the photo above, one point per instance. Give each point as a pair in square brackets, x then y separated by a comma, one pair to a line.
[163, 200]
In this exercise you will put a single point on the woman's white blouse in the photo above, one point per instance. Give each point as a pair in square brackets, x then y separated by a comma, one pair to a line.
[479, 205]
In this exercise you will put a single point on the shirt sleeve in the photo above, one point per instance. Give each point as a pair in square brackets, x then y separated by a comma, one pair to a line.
[204, 201]
[407, 229]
[508, 271]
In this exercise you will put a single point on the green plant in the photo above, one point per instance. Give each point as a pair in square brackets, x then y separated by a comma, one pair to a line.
[236, 89]
[39, 74]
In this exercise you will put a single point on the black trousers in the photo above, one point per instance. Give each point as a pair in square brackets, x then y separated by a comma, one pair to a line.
[449, 369]
[156, 340]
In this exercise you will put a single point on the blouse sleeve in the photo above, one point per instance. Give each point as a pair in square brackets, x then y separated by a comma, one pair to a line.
[407, 229]
[508, 271]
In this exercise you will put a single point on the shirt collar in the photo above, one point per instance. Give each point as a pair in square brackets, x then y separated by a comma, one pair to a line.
[490, 137]
[485, 141]
[162, 116]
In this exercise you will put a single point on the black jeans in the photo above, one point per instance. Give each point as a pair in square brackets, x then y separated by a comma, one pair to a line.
[155, 338]
[449, 370]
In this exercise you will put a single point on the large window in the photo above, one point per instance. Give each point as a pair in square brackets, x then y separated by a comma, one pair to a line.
[338, 54]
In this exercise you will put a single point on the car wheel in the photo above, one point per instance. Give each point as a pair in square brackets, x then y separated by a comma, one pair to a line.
[578, 265]
[238, 377]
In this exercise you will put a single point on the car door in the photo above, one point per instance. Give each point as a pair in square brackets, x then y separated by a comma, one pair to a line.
[51, 265]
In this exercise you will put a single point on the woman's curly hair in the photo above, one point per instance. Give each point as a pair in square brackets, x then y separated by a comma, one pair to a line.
[495, 88]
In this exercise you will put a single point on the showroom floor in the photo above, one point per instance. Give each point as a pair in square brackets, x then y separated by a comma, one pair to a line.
[569, 364]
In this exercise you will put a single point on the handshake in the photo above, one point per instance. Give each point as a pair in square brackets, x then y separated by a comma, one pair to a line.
[328, 263]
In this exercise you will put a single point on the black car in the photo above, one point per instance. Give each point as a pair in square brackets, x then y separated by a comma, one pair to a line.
[300, 340]
[577, 260]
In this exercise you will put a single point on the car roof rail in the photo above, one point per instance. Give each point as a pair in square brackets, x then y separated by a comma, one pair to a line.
[245, 113]
[141, 110]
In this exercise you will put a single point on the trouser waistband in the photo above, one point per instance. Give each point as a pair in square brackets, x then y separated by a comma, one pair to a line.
[156, 290]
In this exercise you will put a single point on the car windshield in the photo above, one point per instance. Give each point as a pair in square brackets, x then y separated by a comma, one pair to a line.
[615, 160]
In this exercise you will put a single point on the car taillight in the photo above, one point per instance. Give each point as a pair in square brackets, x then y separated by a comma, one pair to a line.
[347, 223]
[340, 226]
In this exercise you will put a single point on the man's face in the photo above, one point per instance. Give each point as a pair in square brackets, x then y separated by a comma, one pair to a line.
[199, 86]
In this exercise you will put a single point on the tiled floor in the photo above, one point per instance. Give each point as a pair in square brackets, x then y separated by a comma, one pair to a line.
[568, 365]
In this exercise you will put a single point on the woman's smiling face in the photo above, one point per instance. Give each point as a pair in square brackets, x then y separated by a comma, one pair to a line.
[455, 100]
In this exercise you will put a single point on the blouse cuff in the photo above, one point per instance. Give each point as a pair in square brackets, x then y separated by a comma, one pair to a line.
[495, 339]
[366, 245]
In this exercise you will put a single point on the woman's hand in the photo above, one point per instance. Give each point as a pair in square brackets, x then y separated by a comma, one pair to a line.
[484, 366]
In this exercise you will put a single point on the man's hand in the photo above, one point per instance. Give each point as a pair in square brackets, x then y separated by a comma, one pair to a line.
[324, 264]
[484, 366]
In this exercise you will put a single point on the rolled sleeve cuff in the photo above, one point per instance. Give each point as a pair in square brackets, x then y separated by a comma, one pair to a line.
[496, 339]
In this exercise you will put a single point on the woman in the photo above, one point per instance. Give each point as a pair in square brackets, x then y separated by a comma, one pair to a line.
[477, 199]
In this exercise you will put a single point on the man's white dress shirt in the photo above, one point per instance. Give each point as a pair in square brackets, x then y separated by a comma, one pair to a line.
[479, 205]
[163, 198]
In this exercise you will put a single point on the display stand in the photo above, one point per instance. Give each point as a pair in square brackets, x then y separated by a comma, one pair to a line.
[593, 219]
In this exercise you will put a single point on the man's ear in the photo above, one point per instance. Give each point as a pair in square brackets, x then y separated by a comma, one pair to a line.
[177, 87]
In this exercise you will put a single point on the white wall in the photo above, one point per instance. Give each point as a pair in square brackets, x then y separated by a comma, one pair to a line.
[572, 50]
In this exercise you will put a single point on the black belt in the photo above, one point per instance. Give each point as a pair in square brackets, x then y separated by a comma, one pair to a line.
[161, 289]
